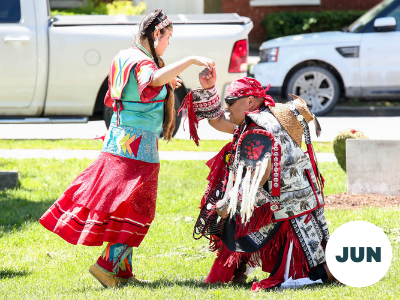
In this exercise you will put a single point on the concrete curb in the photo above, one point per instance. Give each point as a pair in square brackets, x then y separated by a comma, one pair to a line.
[365, 111]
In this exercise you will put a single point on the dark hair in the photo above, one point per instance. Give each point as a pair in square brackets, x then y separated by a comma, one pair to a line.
[147, 27]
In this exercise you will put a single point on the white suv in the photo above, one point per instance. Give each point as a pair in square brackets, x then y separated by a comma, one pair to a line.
[361, 61]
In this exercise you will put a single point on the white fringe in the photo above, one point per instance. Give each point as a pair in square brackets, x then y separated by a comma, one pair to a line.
[233, 194]
[246, 194]
[289, 256]
[256, 183]
[254, 187]
[229, 185]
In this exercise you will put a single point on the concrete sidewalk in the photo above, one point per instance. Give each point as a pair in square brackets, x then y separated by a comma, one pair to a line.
[381, 128]
[92, 154]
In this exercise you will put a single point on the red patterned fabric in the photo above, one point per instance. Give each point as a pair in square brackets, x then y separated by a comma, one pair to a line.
[247, 86]
[144, 69]
[113, 200]
[111, 180]
[80, 225]
[217, 166]
[268, 257]
[144, 72]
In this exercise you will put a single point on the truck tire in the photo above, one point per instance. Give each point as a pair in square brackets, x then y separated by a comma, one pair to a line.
[179, 96]
[317, 86]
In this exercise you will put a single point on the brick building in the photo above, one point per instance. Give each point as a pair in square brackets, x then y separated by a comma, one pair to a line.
[258, 9]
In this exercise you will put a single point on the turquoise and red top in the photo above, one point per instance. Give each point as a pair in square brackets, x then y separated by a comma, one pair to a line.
[138, 108]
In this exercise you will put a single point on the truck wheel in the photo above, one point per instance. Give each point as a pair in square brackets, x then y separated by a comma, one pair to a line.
[179, 96]
[317, 86]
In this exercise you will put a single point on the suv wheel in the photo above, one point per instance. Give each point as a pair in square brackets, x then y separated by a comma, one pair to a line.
[317, 86]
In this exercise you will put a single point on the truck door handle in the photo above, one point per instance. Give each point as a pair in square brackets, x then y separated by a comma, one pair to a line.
[24, 40]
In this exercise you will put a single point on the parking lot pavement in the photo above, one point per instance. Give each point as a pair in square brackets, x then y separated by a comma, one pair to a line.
[385, 128]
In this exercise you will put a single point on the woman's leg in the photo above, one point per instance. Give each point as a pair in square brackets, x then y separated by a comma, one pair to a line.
[114, 266]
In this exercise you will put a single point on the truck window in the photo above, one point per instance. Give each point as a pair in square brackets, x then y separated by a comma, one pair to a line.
[10, 11]
[396, 14]
[48, 9]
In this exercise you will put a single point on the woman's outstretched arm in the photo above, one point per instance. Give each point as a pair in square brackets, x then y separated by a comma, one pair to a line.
[168, 73]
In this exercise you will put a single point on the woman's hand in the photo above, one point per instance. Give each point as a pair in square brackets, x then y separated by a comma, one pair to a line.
[203, 61]
[176, 83]
[208, 78]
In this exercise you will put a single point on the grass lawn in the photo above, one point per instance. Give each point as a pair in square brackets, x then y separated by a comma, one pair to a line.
[173, 145]
[37, 264]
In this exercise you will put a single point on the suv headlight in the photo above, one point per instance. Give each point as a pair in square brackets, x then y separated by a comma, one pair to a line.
[269, 55]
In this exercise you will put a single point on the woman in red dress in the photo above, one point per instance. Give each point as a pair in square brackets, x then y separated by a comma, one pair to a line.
[114, 199]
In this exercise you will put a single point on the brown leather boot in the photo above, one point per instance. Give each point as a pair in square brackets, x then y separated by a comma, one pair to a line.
[107, 280]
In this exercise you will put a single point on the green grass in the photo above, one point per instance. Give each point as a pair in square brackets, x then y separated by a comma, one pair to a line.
[37, 264]
[173, 145]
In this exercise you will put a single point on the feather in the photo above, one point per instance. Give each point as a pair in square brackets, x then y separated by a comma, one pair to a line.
[254, 186]
[229, 185]
[233, 194]
[246, 192]
[317, 126]
[257, 181]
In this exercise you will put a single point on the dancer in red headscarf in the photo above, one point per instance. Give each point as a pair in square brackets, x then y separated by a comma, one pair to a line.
[264, 202]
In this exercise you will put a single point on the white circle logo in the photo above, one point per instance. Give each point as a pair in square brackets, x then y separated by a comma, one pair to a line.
[358, 254]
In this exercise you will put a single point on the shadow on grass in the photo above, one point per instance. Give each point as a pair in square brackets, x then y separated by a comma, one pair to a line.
[192, 283]
[16, 211]
[12, 274]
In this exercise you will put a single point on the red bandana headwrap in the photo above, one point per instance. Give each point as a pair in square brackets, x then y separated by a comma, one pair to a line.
[247, 86]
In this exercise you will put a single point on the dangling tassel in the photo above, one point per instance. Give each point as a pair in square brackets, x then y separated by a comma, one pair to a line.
[117, 107]
[246, 192]
[317, 126]
[187, 104]
[233, 194]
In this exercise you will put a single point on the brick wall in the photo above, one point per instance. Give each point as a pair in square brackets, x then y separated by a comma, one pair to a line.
[257, 13]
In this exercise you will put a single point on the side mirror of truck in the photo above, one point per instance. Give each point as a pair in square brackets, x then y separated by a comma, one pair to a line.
[385, 24]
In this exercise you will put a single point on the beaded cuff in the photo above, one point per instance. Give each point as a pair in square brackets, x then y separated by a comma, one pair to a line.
[207, 104]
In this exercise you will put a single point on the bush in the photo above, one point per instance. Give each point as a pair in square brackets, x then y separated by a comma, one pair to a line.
[116, 7]
[292, 23]
[339, 144]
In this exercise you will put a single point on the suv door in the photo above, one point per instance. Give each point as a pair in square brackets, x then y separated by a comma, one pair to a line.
[380, 59]
[18, 59]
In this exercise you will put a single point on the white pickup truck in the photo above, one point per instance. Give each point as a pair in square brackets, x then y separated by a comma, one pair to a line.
[55, 70]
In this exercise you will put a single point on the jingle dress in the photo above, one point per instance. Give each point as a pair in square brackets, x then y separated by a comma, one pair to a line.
[114, 199]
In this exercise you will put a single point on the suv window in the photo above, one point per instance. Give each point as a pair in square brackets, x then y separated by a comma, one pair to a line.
[10, 11]
[396, 14]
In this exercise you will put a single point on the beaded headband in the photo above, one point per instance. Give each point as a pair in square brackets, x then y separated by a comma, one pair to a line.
[163, 24]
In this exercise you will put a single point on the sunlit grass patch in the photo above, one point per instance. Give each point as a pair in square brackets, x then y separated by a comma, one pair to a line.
[173, 145]
[37, 264]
